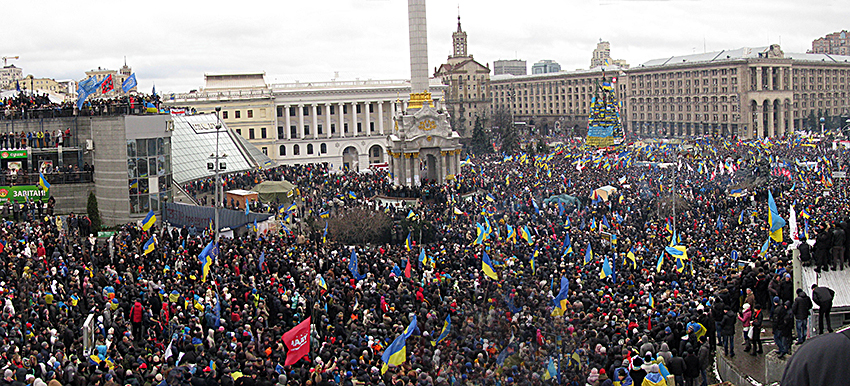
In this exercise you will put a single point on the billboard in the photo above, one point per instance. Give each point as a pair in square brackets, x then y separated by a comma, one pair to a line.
[21, 193]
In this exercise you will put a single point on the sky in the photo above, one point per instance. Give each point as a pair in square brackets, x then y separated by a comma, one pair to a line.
[173, 44]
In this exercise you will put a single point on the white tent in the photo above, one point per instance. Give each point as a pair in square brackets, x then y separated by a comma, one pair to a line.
[604, 192]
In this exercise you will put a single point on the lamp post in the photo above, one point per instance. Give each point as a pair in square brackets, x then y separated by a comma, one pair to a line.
[216, 167]
[822, 122]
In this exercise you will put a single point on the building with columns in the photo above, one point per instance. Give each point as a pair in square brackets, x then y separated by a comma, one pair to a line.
[748, 93]
[343, 123]
[468, 93]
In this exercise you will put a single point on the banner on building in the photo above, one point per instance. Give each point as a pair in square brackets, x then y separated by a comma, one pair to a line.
[21, 193]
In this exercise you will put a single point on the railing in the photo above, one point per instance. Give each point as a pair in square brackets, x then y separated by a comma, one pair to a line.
[7, 179]
[228, 94]
[110, 109]
[347, 83]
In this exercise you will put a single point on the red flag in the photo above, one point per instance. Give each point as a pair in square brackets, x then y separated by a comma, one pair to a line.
[107, 85]
[407, 269]
[297, 340]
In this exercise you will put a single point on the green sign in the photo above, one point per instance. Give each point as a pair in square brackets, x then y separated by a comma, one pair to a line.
[104, 235]
[21, 193]
[12, 154]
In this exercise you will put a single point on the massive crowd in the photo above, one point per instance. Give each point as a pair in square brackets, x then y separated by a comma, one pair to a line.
[628, 311]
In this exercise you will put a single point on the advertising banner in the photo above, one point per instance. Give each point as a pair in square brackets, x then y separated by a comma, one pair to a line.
[21, 193]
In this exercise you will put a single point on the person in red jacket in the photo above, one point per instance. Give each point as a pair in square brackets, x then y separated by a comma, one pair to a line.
[136, 313]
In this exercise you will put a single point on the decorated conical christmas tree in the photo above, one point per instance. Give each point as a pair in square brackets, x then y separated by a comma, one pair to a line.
[603, 126]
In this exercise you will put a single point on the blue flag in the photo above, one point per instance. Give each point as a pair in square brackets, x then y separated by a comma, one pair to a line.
[129, 83]
[262, 260]
[352, 266]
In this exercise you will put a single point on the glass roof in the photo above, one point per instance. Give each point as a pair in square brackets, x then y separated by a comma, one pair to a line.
[193, 141]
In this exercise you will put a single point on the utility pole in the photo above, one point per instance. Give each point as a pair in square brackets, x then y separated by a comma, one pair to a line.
[217, 167]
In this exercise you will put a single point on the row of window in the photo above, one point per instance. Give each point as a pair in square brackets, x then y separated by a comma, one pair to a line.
[305, 110]
[296, 149]
[237, 114]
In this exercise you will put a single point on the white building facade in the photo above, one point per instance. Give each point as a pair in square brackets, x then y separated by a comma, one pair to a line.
[343, 123]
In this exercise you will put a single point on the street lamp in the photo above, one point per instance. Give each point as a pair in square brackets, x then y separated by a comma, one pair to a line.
[822, 122]
[217, 167]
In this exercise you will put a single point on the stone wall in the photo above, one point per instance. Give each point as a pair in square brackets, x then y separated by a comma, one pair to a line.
[71, 198]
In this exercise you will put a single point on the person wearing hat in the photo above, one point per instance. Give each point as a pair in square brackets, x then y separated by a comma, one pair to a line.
[654, 378]
[780, 319]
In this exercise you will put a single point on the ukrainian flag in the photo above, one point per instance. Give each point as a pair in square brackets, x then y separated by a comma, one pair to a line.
[487, 267]
[805, 214]
[741, 217]
[490, 197]
[322, 283]
[135, 183]
[447, 325]
[351, 195]
[607, 271]
[526, 234]
[659, 263]
[567, 223]
[423, 258]
[651, 301]
[764, 247]
[42, 182]
[410, 214]
[560, 300]
[396, 353]
[632, 257]
[458, 211]
[207, 257]
[407, 242]
[292, 207]
[148, 222]
[533, 256]
[776, 223]
[150, 245]
[511, 233]
[588, 255]
[325, 233]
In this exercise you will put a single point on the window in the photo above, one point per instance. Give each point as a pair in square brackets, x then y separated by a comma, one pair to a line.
[239, 131]
[372, 126]
[280, 111]
[250, 113]
[293, 131]
[323, 148]
[359, 127]
[306, 129]
[265, 150]
[333, 128]
[262, 132]
[292, 111]
[251, 133]
[309, 148]
[296, 150]
[319, 110]
[333, 109]
[280, 132]
[306, 110]
[224, 115]
[238, 114]
[345, 127]
[358, 109]
[282, 150]
[371, 108]
[319, 128]
[345, 109]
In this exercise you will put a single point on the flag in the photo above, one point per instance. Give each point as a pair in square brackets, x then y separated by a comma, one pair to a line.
[659, 263]
[551, 371]
[567, 223]
[669, 227]
[129, 83]
[423, 258]
[42, 182]
[567, 244]
[604, 224]
[447, 325]
[396, 352]
[148, 222]
[776, 223]
[593, 224]
[458, 211]
[351, 195]
[407, 242]
[292, 208]
[150, 245]
[606, 271]
[410, 214]
[533, 268]
[805, 214]
[632, 257]
[487, 267]
[325, 233]
[677, 251]
[588, 255]
[107, 85]
[651, 301]
[490, 197]
[254, 227]
[511, 233]
[679, 265]
[560, 300]
[207, 257]
[741, 217]
[719, 223]
[324, 284]
[526, 234]
[247, 210]
[297, 342]
[352, 266]
[407, 269]
[764, 247]
[262, 261]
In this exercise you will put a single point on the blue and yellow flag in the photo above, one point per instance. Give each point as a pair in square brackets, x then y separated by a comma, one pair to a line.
[511, 233]
[351, 195]
[447, 326]
[325, 233]
[560, 300]
[325, 214]
[410, 214]
[588, 255]
[150, 245]
[651, 301]
[148, 222]
[526, 234]
[490, 197]
[396, 352]
[423, 258]
[292, 207]
[659, 263]
[607, 270]
[805, 214]
[42, 182]
[741, 217]
[632, 257]
[774, 220]
[487, 267]
[407, 242]
[207, 257]
[533, 265]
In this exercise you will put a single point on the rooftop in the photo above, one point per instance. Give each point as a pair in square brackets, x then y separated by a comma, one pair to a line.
[509, 77]
[739, 54]
[835, 280]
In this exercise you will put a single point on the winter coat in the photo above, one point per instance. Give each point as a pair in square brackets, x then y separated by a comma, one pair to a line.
[801, 307]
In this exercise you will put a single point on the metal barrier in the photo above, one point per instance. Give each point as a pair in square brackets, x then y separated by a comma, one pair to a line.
[52, 178]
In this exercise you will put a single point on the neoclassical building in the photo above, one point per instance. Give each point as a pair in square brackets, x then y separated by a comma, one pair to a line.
[343, 123]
